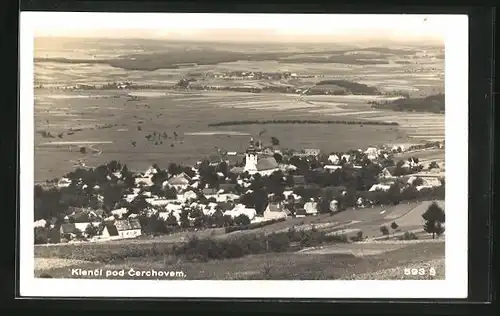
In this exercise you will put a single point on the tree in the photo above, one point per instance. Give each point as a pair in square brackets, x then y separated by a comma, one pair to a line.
[278, 158]
[171, 220]
[218, 218]
[433, 165]
[184, 218]
[275, 141]
[91, 230]
[394, 226]
[434, 218]
[241, 219]
[228, 220]
[384, 230]
[417, 182]
[170, 193]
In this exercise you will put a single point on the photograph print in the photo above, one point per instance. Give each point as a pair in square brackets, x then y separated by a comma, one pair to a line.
[171, 147]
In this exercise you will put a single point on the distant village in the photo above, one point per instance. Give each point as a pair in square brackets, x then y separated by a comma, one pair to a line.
[110, 202]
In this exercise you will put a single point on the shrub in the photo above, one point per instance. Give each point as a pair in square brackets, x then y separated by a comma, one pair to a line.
[41, 235]
[241, 219]
[231, 229]
[384, 230]
[358, 237]
[394, 226]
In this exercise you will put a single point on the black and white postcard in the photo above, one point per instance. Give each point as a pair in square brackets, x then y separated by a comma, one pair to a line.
[243, 155]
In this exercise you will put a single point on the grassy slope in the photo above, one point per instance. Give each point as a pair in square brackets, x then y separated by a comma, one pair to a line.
[284, 265]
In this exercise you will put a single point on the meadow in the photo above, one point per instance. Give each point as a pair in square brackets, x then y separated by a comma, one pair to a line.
[185, 118]
[289, 266]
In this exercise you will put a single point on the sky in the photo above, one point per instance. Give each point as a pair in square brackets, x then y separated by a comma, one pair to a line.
[239, 27]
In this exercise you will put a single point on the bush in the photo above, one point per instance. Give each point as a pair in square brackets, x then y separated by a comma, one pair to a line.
[241, 219]
[358, 237]
[408, 236]
[384, 230]
[231, 229]
[278, 242]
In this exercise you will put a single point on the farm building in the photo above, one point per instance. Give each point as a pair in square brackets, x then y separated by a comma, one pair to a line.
[130, 228]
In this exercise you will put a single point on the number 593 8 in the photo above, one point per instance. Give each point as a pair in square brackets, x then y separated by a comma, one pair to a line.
[421, 271]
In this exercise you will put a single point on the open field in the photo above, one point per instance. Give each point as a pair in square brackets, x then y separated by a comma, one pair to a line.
[117, 119]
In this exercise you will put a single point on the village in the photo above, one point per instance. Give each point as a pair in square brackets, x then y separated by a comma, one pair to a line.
[268, 185]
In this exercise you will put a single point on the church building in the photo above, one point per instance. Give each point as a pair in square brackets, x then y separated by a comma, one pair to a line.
[256, 162]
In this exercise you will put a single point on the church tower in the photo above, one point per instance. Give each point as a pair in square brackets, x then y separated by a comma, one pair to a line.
[251, 158]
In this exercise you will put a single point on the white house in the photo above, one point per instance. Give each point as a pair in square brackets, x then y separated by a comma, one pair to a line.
[332, 168]
[226, 197]
[165, 215]
[40, 223]
[379, 187]
[371, 153]
[311, 208]
[159, 201]
[145, 180]
[334, 159]
[346, 157]
[64, 183]
[130, 228]
[241, 209]
[334, 206]
[189, 195]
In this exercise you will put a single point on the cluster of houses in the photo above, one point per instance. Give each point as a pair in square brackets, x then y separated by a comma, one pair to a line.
[255, 75]
[189, 192]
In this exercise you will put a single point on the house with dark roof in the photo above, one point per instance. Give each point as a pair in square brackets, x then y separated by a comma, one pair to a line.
[127, 228]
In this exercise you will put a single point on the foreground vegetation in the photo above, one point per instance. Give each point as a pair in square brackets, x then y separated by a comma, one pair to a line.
[286, 265]
[433, 104]
[195, 249]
